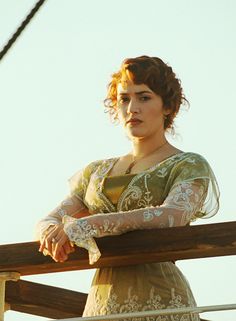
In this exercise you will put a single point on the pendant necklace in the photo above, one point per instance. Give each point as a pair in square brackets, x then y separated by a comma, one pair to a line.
[135, 161]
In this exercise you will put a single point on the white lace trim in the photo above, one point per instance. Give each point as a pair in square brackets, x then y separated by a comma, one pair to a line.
[81, 233]
[132, 303]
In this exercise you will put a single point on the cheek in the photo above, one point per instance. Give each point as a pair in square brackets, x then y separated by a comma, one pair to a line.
[121, 115]
[156, 114]
[156, 119]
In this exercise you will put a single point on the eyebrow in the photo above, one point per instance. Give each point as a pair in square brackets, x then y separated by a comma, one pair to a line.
[136, 93]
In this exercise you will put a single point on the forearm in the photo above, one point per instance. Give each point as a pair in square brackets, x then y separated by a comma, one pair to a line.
[139, 219]
[178, 208]
[82, 232]
[100, 225]
[70, 206]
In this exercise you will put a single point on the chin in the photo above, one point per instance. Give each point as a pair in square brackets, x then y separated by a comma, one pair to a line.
[132, 134]
[136, 132]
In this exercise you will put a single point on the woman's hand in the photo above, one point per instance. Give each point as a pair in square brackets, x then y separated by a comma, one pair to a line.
[56, 243]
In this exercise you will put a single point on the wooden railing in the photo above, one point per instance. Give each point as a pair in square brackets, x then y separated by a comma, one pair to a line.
[137, 247]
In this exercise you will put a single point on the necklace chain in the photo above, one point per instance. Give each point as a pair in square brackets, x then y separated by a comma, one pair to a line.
[134, 162]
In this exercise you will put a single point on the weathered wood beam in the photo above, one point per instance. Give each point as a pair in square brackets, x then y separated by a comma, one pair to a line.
[137, 247]
[43, 300]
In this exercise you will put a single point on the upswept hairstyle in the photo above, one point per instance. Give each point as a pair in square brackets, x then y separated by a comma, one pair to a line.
[154, 73]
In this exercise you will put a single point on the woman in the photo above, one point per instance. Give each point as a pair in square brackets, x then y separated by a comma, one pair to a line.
[156, 185]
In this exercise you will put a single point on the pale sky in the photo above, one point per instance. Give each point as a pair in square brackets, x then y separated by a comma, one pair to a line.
[52, 84]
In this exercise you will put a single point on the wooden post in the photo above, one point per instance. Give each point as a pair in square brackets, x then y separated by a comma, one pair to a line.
[5, 276]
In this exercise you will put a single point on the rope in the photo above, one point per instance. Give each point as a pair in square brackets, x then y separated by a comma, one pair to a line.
[19, 30]
[121, 316]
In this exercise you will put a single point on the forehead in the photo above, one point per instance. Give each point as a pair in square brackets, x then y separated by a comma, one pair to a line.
[128, 87]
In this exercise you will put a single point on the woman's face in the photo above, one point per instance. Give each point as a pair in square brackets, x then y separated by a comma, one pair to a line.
[140, 111]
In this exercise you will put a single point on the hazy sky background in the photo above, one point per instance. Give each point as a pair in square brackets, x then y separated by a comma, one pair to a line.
[52, 84]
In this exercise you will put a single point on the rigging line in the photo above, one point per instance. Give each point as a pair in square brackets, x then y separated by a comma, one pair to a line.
[22, 26]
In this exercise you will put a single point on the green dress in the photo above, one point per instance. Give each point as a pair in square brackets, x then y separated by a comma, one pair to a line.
[151, 286]
[154, 285]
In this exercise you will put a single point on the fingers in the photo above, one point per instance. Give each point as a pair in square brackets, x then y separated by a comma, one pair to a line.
[53, 238]
[59, 251]
[61, 254]
[43, 238]
[50, 238]
[56, 244]
[68, 248]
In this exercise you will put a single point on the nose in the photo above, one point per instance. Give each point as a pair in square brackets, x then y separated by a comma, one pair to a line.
[133, 107]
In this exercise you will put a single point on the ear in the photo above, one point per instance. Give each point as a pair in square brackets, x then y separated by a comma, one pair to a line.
[166, 111]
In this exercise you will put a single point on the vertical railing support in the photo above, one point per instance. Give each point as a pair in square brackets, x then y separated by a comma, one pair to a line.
[5, 276]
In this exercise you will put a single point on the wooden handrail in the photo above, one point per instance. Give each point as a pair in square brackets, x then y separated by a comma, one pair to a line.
[44, 300]
[136, 247]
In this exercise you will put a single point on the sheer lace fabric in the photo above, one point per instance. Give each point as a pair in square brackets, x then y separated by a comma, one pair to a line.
[179, 207]
[175, 192]
[171, 193]
[71, 206]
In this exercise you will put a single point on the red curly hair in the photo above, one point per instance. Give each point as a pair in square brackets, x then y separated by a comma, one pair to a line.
[155, 74]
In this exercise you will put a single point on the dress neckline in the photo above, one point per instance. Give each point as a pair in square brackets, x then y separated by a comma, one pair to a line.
[149, 169]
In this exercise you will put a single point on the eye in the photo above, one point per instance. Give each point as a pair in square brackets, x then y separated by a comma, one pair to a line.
[123, 100]
[144, 98]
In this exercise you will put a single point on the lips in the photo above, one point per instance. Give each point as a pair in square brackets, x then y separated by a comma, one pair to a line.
[134, 121]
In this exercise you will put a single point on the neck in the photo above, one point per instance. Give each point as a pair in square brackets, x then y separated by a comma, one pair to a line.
[142, 147]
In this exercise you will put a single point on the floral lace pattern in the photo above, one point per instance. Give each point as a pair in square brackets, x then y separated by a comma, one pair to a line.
[132, 303]
[148, 188]
[179, 207]
[82, 234]
[166, 195]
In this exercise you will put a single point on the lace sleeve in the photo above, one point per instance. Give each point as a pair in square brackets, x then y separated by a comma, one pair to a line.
[195, 168]
[73, 205]
[178, 209]
[185, 201]
[70, 206]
